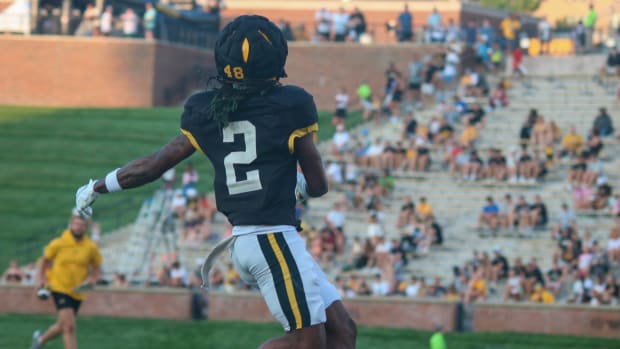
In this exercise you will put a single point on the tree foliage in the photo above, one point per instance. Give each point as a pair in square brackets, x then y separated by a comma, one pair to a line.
[512, 5]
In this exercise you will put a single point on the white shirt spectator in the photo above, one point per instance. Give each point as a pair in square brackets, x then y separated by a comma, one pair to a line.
[544, 30]
[350, 171]
[168, 176]
[339, 23]
[585, 260]
[342, 101]
[323, 18]
[380, 288]
[412, 290]
[613, 244]
[130, 23]
[567, 217]
[179, 273]
[179, 201]
[375, 230]
[374, 149]
[106, 22]
[337, 218]
[341, 139]
[334, 172]
[580, 287]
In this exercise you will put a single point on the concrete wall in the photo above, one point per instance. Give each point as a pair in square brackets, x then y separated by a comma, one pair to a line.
[548, 319]
[70, 71]
[586, 65]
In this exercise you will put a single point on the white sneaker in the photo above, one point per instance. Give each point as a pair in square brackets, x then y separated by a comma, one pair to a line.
[36, 336]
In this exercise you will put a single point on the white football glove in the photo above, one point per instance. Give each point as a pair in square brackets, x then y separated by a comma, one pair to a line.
[301, 192]
[84, 197]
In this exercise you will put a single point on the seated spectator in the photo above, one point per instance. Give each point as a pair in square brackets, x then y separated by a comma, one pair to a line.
[496, 168]
[567, 217]
[612, 289]
[120, 281]
[612, 65]
[499, 97]
[499, 266]
[532, 276]
[539, 216]
[455, 111]
[473, 169]
[513, 289]
[594, 169]
[334, 220]
[380, 286]
[542, 134]
[14, 274]
[373, 155]
[507, 214]
[178, 275]
[554, 278]
[489, 215]
[469, 135]
[333, 171]
[603, 125]
[364, 93]
[542, 295]
[572, 143]
[582, 290]
[340, 140]
[216, 278]
[231, 278]
[475, 115]
[522, 213]
[424, 209]
[602, 195]
[613, 245]
[410, 127]
[527, 167]
[476, 289]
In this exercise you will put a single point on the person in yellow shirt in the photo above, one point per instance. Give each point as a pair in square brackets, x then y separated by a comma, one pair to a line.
[70, 264]
[424, 209]
[510, 27]
[542, 295]
[469, 135]
[572, 143]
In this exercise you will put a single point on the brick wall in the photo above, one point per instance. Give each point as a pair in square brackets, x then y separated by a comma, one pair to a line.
[105, 72]
[549, 319]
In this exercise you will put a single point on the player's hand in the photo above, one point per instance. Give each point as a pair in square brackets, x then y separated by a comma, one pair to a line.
[84, 197]
[301, 192]
[43, 293]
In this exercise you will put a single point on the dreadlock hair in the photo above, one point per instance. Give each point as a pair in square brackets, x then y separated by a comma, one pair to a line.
[230, 94]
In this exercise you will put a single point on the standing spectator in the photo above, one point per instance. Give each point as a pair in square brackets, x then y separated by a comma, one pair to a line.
[404, 29]
[603, 125]
[453, 32]
[340, 22]
[434, 20]
[470, 33]
[415, 77]
[286, 29]
[342, 102]
[544, 35]
[487, 33]
[107, 19]
[357, 24]
[150, 21]
[510, 27]
[579, 36]
[590, 26]
[90, 22]
[130, 23]
[323, 23]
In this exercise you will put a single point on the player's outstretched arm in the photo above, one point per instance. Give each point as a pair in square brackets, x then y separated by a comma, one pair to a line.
[311, 164]
[136, 173]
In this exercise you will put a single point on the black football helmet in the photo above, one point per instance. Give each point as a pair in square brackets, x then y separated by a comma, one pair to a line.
[250, 48]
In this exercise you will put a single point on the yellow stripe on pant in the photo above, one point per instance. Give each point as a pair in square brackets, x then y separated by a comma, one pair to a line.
[288, 282]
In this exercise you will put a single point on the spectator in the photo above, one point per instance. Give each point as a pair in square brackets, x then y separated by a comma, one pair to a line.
[567, 217]
[342, 102]
[590, 26]
[603, 125]
[323, 23]
[540, 218]
[150, 21]
[357, 23]
[130, 23]
[542, 295]
[532, 276]
[438, 340]
[364, 94]
[510, 27]
[178, 275]
[120, 281]
[486, 32]
[613, 245]
[231, 278]
[424, 209]
[13, 275]
[470, 33]
[286, 29]
[572, 143]
[190, 177]
[404, 29]
[612, 65]
[499, 266]
[469, 134]
[477, 288]
[340, 140]
[434, 20]
[513, 289]
[106, 21]
[415, 77]
[340, 22]
[544, 35]
[90, 22]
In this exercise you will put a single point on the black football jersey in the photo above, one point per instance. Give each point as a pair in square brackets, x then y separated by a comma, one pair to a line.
[254, 160]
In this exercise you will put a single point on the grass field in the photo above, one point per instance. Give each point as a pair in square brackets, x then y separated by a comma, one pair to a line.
[47, 153]
[105, 333]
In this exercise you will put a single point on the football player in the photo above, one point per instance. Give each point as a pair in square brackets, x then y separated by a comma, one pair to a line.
[255, 131]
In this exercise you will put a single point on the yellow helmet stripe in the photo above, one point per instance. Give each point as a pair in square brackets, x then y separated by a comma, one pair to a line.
[245, 50]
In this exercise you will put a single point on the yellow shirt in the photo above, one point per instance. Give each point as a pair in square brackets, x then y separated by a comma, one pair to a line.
[480, 286]
[469, 134]
[71, 262]
[425, 209]
[509, 28]
[572, 142]
[544, 297]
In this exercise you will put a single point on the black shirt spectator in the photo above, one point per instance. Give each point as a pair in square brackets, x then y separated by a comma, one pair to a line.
[499, 259]
[603, 125]
[543, 216]
[613, 59]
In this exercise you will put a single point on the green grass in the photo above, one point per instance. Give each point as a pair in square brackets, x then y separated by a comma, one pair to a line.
[47, 153]
[104, 333]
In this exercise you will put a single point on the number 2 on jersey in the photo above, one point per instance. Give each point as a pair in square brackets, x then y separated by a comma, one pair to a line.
[252, 181]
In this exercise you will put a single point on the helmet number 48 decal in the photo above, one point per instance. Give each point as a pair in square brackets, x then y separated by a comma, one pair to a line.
[237, 72]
